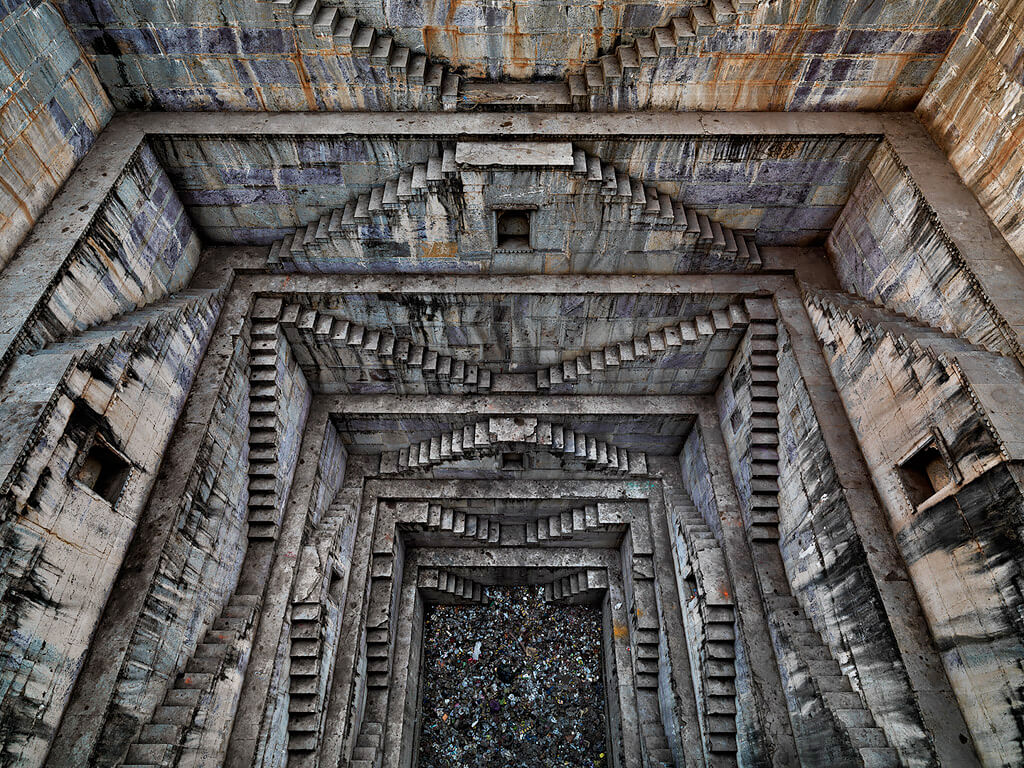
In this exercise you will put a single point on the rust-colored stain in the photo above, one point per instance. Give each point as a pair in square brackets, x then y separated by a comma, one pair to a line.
[307, 89]
[439, 250]
[620, 631]
[17, 199]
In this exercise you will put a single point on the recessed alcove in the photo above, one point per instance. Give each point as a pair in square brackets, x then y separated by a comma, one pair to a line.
[513, 230]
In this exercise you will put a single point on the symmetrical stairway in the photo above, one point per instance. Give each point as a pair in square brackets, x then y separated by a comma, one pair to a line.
[499, 435]
[174, 310]
[334, 230]
[173, 729]
[809, 656]
[649, 206]
[265, 422]
[614, 81]
[447, 587]
[763, 515]
[650, 346]
[579, 586]
[387, 205]
[416, 81]
[481, 528]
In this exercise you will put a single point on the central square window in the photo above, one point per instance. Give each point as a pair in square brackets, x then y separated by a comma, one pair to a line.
[513, 230]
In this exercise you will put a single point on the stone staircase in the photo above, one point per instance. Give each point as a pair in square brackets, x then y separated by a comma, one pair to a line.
[645, 646]
[317, 605]
[578, 587]
[265, 422]
[369, 746]
[357, 344]
[649, 206]
[125, 329]
[762, 517]
[448, 587]
[419, 82]
[644, 623]
[481, 528]
[984, 375]
[401, 198]
[607, 85]
[334, 229]
[912, 332]
[650, 346]
[170, 735]
[565, 525]
[124, 345]
[304, 694]
[710, 621]
[118, 339]
[656, 747]
[809, 656]
[498, 435]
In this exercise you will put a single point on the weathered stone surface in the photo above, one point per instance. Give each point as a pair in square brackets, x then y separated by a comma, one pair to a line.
[52, 108]
[488, 308]
[126, 383]
[951, 541]
[971, 108]
[889, 246]
[772, 56]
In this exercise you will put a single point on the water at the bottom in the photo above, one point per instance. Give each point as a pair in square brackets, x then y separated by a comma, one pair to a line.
[534, 696]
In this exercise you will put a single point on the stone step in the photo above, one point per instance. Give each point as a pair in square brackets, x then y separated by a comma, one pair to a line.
[211, 665]
[160, 733]
[867, 737]
[879, 757]
[173, 715]
[197, 680]
[855, 718]
[150, 754]
[182, 697]
[302, 742]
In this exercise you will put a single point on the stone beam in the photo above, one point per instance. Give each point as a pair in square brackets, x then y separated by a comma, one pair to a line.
[513, 124]
[543, 284]
[517, 403]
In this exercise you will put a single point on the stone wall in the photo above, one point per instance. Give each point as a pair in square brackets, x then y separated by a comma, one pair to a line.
[783, 55]
[51, 108]
[257, 189]
[828, 571]
[962, 548]
[972, 108]
[196, 572]
[139, 247]
[63, 542]
[889, 246]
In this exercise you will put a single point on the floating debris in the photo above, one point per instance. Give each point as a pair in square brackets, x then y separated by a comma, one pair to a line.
[514, 683]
